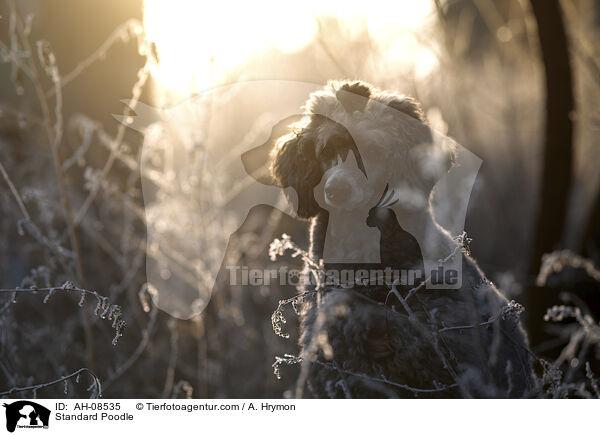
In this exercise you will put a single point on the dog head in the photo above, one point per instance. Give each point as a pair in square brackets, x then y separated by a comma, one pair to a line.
[352, 142]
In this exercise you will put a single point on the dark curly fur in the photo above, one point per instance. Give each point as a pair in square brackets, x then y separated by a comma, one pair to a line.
[362, 342]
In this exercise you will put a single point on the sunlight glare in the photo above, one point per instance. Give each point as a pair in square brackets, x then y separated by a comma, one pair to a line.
[199, 43]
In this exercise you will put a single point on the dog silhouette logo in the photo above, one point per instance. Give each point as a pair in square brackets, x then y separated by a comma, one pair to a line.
[26, 414]
[207, 161]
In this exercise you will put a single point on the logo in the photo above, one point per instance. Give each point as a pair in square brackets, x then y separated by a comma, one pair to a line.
[26, 414]
[383, 178]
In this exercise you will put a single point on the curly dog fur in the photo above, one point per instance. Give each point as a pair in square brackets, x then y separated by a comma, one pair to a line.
[362, 342]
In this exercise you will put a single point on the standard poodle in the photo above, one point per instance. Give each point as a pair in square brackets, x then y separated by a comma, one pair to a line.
[363, 164]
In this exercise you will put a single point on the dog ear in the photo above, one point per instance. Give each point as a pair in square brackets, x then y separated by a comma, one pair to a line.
[257, 161]
[410, 106]
[431, 155]
[432, 159]
[294, 164]
[354, 96]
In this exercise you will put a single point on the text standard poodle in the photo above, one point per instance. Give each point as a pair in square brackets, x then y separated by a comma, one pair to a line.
[363, 164]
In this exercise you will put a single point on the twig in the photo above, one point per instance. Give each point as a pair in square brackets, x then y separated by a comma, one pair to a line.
[143, 75]
[103, 309]
[432, 338]
[121, 33]
[458, 328]
[170, 377]
[146, 335]
[385, 381]
[96, 385]
[14, 192]
[556, 261]
[60, 252]
[343, 381]
[54, 134]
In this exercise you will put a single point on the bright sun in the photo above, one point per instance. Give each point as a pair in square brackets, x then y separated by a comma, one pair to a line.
[199, 42]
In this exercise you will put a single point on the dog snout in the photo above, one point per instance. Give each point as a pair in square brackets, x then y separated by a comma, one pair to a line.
[337, 191]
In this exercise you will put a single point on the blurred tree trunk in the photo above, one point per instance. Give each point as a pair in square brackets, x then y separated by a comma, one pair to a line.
[590, 246]
[557, 154]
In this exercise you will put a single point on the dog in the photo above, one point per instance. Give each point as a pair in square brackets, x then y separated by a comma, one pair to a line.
[380, 340]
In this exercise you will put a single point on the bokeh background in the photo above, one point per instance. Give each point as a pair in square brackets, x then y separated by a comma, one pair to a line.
[514, 81]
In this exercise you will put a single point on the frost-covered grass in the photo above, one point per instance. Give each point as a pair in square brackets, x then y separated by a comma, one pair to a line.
[570, 375]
